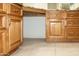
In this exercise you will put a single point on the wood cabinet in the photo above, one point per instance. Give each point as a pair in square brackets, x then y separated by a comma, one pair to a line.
[64, 27]
[55, 24]
[10, 27]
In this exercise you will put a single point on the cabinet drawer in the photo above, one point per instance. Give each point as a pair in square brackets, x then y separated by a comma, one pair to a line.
[55, 14]
[73, 14]
[73, 22]
[72, 31]
[15, 9]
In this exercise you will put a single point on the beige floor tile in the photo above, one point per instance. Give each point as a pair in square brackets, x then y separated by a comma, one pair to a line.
[36, 47]
[67, 49]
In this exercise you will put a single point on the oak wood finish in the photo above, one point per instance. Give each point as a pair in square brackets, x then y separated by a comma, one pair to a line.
[15, 30]
[62, 25]
[10, 27]
[15, 33]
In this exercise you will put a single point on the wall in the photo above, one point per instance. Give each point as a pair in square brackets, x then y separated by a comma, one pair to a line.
[59, 6]
[52, 5]
[34, 27]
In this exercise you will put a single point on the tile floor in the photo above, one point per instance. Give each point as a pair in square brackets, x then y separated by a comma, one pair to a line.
[38, 47]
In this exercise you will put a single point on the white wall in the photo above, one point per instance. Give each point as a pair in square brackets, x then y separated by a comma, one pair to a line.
[36, 5]
[34, 27]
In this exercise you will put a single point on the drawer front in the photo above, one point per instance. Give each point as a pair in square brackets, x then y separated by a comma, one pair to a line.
[72, 22]
[50, 14]
[1, 5]
[15, 10]
[72, 31]
[73, 14]
[55, 14]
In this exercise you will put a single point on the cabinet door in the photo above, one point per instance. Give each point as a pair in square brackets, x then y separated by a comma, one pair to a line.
[55, 30]
[15, 34]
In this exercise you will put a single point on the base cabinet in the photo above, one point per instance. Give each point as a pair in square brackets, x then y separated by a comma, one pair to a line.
[64, 28]
[10, 27]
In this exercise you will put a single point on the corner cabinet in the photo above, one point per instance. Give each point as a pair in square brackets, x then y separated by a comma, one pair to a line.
[62, 25]
[10, 27]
